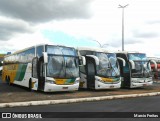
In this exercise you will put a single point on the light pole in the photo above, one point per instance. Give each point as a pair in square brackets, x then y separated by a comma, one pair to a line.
[120, 6]
[98, 43]
[104, 45]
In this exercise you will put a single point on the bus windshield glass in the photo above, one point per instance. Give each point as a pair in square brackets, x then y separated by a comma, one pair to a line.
[60, 50]
[137, 56]
[142, 68]
[62, 62]
[108, 66]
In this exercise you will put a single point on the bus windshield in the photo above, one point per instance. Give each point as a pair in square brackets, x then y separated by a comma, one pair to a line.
[62, 62]
[137, 56]
[108, 66]
[141, 65]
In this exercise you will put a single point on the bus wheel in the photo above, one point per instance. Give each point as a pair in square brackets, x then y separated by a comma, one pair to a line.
[8, 80]
[30, 85]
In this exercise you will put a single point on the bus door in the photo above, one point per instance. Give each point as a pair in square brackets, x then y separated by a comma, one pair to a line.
[124, 71]
[90, 71]
[41, 74]
[121, 72]
[34, 74]
[127, 74]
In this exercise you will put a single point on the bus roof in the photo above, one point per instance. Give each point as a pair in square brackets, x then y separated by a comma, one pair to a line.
[94, 49]
[127, 52]
[19, 51]
[155, 59]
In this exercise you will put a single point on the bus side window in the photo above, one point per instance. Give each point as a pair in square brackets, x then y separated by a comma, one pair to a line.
[41, 67]
[82, 69]
[39, 51]
[34, 68]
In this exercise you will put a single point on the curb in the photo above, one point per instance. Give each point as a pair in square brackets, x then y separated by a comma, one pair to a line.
[65, 101]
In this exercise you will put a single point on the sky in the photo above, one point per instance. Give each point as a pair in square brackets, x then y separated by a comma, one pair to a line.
[24, 23]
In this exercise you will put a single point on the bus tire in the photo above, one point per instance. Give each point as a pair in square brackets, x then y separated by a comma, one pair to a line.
[30, 85]
[8, 80]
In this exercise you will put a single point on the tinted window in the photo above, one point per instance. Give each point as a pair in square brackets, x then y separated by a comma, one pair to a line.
[84, 52]
[58, 50]
[22, 57]
[39, 51]
[137, 56]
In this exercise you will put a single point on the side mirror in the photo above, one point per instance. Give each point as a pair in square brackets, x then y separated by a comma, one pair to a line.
[82, 61]
[95, 58]
[155, 64]
[45, 55]
[124, 62]
[132, 64]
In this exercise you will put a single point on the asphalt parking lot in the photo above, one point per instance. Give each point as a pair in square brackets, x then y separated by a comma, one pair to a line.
[16, 93]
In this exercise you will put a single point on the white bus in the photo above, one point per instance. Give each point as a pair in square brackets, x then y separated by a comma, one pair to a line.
[48, 68]
[137, 71]
[101, 70]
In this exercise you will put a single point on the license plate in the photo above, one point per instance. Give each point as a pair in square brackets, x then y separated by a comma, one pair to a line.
[111, 86]
[144, 84]
[65, 88]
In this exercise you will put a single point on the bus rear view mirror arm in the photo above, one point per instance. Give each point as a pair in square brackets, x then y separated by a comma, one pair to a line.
[95, 58]
[154, 63]
[124, 62]
[83, 60]
[132, 64]
[45, 55]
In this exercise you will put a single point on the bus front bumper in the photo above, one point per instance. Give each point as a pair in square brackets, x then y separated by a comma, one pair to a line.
[101, 85]
[58, 88]
[137, 82]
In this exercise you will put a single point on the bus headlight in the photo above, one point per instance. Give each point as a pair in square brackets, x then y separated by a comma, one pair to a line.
[98, 79]
[77, 80]
[50, 81]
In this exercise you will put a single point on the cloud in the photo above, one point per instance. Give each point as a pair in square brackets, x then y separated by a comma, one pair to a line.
[153, 22]
[43, 11]
[23, 41]
[18, 17]
[10, 27]
[117, 42]
[145, 34]
[6, 47]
